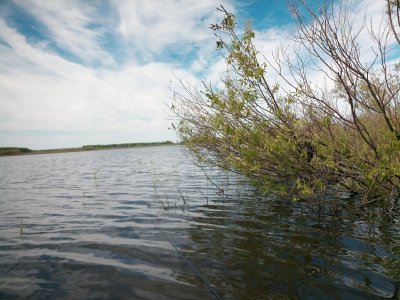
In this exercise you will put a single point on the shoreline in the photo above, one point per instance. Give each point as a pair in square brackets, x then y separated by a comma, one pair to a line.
[86, 148]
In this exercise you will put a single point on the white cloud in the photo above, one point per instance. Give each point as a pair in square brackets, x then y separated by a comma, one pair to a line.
[151, 26]
[48, 101]
[45, 92]
[68, 24]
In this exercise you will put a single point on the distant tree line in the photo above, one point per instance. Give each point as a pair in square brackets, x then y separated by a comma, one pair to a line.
[16, 151]
[13, 150]
[124, 145]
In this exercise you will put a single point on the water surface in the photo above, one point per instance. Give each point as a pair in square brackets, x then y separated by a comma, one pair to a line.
[92, 225]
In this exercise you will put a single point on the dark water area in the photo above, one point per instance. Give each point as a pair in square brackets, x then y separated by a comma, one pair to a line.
[103, 225]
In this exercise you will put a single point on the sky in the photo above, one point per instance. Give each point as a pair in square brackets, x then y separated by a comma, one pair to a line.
[76, 73]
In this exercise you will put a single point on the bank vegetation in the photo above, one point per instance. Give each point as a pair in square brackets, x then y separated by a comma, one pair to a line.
[268, 121]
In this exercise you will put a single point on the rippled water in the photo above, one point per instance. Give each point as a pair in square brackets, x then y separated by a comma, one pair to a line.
[103, 224]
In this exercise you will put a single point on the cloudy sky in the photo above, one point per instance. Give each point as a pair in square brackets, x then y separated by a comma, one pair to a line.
[74, 73]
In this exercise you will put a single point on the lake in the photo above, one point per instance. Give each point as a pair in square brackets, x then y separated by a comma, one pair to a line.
[139, 223]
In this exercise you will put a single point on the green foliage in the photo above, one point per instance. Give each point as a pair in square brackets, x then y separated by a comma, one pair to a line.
[294, 143]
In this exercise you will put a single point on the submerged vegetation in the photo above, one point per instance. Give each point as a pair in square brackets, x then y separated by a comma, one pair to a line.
[18, 151]
[268, 120]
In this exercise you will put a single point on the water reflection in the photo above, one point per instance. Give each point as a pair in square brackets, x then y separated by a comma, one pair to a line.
[269, 248]
[82, 225]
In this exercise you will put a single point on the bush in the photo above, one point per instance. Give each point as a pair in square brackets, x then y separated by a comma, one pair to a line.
[288, 136]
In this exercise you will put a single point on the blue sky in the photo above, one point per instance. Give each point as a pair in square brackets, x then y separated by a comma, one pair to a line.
[97, 72]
